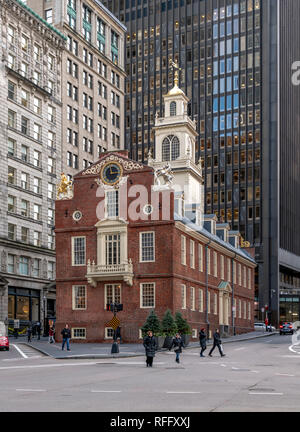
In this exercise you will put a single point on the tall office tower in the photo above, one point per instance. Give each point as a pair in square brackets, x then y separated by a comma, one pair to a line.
[30, 160]
[93, 79]
[236, 58]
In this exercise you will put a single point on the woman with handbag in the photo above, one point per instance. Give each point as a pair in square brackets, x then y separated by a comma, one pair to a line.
[178, 344]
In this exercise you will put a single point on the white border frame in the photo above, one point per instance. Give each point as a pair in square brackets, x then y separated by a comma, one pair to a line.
[140, 246]
[72, 250]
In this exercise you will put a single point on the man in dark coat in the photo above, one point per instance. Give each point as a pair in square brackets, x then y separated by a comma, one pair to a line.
[202, 338]
[66, 334]
[217, 343]
[178, 344]
[150, 347]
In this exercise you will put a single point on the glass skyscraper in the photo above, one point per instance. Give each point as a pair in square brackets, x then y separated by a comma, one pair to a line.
[231, 55]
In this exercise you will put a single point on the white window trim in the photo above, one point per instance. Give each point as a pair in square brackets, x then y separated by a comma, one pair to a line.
[73, 261]
[228, 270]
[183, 250]
[73, 297]
[240, 308]
[222, 267]
[249, 311]
[200, 257]
[192, 254]
[105, 293]
[78, 328]
[184, 297]
[106, 333]
[208, 261]
[194, 333]
[215, 304]
[215, 264]
[208, 301]
[147, 232]
[140, 334]
[249, 278]
[193, 298]
[200, 293]
[141, 295]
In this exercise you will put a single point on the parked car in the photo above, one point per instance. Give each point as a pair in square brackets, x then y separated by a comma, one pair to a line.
[286, 328]
[259, 326]
[4, 342]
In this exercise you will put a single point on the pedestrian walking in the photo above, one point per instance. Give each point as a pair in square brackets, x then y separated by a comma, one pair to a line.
[51, 335]
[217, 343]
[66, 334]
[29, 333]
[38, 330]
[202, 339]
[150, 347]
[178, 344]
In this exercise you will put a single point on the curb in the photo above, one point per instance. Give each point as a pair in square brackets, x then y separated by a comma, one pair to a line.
[121, 355]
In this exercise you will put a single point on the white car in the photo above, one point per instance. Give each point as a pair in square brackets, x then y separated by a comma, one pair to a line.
[259, 326]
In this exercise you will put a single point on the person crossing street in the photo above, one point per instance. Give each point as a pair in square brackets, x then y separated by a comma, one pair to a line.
[202, 338]
[150, 347]
[177, 342]
[217, 343]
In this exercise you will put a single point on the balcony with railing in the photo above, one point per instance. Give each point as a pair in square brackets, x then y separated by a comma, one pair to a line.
[114, 272]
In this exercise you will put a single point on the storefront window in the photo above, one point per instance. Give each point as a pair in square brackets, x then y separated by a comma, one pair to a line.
[23, 308]
[11, 307]
[289, 309]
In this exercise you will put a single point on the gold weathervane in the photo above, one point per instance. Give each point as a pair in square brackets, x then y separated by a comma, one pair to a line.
[176, 72]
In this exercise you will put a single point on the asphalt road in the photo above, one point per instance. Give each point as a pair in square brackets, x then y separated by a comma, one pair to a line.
[256, 375]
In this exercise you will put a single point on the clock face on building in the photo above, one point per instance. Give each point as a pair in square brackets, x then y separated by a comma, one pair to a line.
[111, 173]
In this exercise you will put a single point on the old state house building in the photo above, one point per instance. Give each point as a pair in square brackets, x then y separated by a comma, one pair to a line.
[136, 234]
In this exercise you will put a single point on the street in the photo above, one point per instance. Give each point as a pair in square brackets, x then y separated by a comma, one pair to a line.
[257, 375]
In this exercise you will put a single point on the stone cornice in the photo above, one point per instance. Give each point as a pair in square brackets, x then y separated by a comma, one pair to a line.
[21, 12]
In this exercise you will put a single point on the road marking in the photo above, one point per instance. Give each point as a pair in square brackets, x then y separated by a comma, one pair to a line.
[291, 349]
[20, 351]
[254, 371]
[106, 391]
[283, 374]
[223, 365]
[182, 392]
[239, 349]
[47, 365]
[261, 393]
[31, 390]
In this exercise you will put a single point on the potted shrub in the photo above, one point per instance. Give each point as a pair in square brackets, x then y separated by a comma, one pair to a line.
[183, 328]
[169, 328]
[152, 323]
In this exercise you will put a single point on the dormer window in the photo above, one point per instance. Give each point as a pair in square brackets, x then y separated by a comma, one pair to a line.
[173, 108]
[170, 148]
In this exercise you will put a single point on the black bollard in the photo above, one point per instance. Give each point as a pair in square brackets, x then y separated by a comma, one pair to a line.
[115, 348]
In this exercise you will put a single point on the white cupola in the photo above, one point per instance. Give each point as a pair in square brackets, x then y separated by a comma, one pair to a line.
[175, 136]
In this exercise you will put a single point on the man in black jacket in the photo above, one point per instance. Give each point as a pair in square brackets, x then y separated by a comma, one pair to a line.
[150, 348]
[217, 343]
[66, 334]
[177, 342]
[202, 338]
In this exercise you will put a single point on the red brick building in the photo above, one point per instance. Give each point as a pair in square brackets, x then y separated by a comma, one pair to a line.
[136, 234]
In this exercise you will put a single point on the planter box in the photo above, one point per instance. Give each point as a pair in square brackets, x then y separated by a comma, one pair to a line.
[167, 342]
[186, 339]
[160, 341]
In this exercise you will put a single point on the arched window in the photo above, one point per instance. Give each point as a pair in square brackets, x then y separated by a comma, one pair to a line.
[170, 148]
[173, 108]
[175, 148]
[166, 149]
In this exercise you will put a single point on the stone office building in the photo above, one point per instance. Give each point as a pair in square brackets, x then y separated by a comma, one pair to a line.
[30, 160]
[136, 234]
[93, 79]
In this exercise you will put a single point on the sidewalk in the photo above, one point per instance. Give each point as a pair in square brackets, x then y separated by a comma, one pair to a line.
[103, 350]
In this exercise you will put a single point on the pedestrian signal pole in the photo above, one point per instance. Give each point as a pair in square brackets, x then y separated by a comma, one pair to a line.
[115, 324]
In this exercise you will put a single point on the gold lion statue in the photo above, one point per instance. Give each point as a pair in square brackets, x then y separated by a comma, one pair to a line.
[64, 187]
